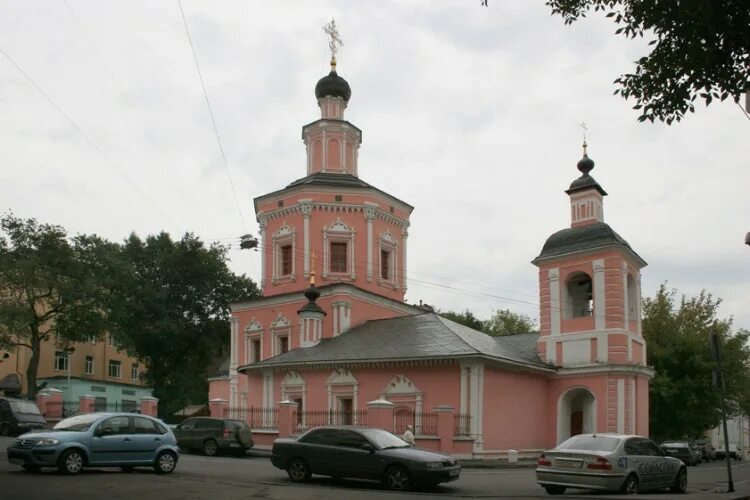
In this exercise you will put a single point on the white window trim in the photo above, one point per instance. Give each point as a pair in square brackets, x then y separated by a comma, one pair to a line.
[293, 387]
[341, 378]
[253, 331]
[285, 235]
[137, 371]
[281, 327]
[66, 361]
[388, 243]
[86, 370]
[338, 232]
[110, 364]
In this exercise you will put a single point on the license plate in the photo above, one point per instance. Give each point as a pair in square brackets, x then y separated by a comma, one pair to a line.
[570, 464]
[454, 473]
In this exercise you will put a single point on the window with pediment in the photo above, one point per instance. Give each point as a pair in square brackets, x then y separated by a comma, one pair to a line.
[283, 252]
[388, 258]
[338, 251]
[281, 334]
[253, 342]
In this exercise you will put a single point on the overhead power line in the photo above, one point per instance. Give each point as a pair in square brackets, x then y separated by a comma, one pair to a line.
[211, 115]
[88, 139]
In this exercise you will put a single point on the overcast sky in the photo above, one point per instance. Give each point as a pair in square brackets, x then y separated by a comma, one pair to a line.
[470, 114]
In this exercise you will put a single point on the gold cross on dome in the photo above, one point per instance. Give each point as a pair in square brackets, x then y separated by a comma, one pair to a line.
[585, 128]
[335, 42]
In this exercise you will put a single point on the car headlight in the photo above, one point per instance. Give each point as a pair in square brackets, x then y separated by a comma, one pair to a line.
[434, 465]
[47, 442]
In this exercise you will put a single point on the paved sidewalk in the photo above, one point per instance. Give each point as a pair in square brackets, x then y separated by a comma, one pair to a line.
[741, 492]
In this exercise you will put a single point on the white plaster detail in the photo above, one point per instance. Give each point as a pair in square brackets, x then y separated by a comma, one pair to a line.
[339, 232]
[285, 235]
[281, 322]
[600, 310]
[554, 304]
[576, 352]
[621, 406]
[565, 403]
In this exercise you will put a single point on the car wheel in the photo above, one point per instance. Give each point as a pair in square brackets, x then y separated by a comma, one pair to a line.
[680, 482]
[397, 479]
[631, 485]
[210, 448]
[70, 461]
[553, 489]
[5, 430]
[298, 470]
[165, 462]
[31, 468]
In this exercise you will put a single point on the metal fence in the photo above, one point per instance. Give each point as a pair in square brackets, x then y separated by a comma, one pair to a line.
[257, 418]
[461, 424]
[307, 419]
[425, 423]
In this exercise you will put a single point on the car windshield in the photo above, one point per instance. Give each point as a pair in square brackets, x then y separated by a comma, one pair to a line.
[590, 443]
[383, 439]
[77, 423]
[673, 444]
[24, 407]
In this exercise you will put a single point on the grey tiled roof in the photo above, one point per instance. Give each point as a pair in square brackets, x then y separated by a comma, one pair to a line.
[586, 237]
[421, 336]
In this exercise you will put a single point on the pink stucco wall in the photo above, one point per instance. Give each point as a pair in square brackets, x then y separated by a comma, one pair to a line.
[516, 408]
[218, 389]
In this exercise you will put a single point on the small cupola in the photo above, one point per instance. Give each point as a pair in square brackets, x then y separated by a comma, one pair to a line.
[311, 315]
[586, 195]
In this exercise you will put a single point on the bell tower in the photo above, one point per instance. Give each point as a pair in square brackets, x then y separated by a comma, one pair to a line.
[589, 282]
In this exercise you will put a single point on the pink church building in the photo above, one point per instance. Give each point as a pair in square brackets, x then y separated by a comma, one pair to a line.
[349, 343]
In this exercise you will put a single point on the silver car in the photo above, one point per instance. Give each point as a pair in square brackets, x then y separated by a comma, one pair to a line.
[616, 462]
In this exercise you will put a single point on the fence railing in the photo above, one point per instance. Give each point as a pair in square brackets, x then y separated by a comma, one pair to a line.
[257, 418]
[461, 424]
[425, 423]
[307, 419]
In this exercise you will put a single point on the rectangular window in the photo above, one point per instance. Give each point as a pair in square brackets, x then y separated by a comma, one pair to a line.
[385, 264]
[100, 404]
[92, 339]
[112, 341]
[338, 257]
[286, 260]
[283, 344]
[256, 351]
[134, 371]
[89, 368]
[61, 361]
[115, 368]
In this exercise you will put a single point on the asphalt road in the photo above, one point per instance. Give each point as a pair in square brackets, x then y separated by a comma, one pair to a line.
[198, 477]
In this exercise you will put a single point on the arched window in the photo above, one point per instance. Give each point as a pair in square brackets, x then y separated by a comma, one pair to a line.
[579, 299]
[402, 416]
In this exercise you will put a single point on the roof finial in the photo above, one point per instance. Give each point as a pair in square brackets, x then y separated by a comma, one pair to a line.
[335, 42]
[583, 126]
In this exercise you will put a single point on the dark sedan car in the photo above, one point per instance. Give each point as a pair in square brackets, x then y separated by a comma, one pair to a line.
[362, 453]
[681, 450]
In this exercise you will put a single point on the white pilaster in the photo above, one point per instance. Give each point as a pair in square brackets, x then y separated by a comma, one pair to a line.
[262, 232]
[621, 406]
[599, 301]
[404, 239]
[555, 307]
[306, 208]
[464, 390]
[369, 212]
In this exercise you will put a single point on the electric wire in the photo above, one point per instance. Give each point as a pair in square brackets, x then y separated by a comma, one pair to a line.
[88, 139]
[211, 115]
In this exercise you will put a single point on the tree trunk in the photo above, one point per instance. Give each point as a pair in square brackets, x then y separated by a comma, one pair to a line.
[32, 369]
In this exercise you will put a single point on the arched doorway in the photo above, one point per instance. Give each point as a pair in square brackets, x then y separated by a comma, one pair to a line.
[576, 413]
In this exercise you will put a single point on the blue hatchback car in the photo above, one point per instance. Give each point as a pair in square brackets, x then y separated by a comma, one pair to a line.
[98, 440]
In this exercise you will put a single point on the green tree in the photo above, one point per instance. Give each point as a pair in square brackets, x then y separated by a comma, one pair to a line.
[50, 287]
[465, 318]
[506, 322]
[172, 311]
[684, 401]
[701, 48]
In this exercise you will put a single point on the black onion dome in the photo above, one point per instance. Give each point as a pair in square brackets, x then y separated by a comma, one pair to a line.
[333, 85]
[585, 164]
[312, 293]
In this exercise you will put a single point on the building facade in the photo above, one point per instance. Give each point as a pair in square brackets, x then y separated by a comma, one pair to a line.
[333, 333]
[97, 367]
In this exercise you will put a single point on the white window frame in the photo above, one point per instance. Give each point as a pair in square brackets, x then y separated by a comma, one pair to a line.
[281, 327]
[134, 371]
[253, 331]
[285, 235]
[339, 232]
[62, 358]
[88, 368]
[114, 363]
[388, 243]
